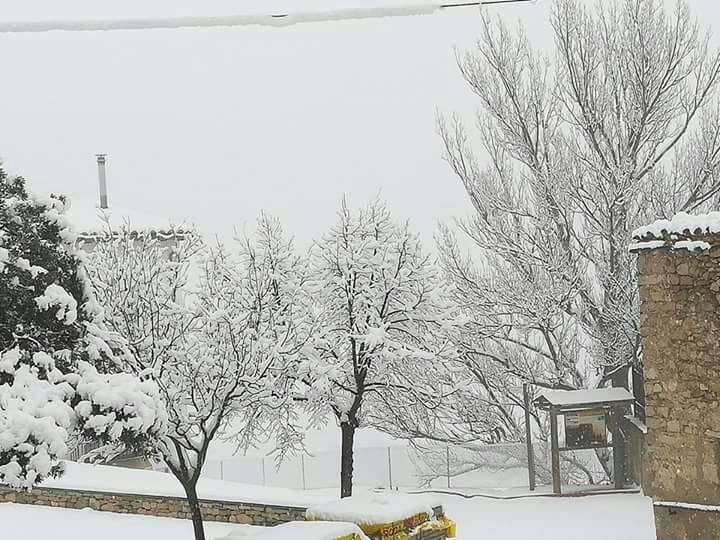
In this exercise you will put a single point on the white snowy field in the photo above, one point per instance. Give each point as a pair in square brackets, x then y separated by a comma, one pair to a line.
[88, 477]
[600, 517]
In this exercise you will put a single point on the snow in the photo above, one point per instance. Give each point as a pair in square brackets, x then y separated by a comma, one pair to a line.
[88, 218]
[277, 21]
[373, 508]
[35, 421]
[118, 406]
[681, 223]
[688, 506]
[620, 517]
[692, 245]
[650, 244]
[56, 296]
[87, 477]
[635, 421]
[300, 530]
[27, 522]
[588, 395]
[598, 517]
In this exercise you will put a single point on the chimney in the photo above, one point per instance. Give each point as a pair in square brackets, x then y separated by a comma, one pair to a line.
[102, 179]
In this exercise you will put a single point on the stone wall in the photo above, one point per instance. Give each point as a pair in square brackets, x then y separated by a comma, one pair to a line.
[151, 505]
[680, 332]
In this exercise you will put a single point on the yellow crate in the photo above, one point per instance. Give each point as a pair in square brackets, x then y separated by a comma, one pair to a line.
[410, 528]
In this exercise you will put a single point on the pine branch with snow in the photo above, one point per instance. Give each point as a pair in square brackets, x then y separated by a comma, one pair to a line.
[53, 342]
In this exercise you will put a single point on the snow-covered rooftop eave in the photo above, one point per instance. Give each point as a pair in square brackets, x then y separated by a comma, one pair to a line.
[91, 223]
[683, 231]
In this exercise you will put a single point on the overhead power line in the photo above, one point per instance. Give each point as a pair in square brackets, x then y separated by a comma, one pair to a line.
[275, 20]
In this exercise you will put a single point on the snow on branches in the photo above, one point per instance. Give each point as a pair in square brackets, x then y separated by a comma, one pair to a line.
[53, 342]
[220, 332]
[382, 313]
[35, 418]
[57, 297]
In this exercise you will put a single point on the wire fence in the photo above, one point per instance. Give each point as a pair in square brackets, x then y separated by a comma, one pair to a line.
[391, 467]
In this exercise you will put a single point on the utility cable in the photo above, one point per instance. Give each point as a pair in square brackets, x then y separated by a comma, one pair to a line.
[275, 20]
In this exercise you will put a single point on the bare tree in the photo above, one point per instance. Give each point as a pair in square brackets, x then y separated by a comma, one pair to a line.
[375, 354]
[621, 127]
[216, 331]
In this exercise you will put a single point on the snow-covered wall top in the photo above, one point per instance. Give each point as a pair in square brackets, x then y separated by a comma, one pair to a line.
[683, 231]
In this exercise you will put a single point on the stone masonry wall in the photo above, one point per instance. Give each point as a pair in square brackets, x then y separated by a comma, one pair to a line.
[680, 332]
[151, 505]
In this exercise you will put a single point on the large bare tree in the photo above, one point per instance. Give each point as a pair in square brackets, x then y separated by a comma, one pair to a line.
[570, 154]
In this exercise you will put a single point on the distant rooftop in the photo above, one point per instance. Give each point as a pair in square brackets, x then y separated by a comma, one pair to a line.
[90, 221]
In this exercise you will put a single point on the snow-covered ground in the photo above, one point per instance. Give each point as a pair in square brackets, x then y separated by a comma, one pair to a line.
[120, 480]
[27, 522]
[600, 517]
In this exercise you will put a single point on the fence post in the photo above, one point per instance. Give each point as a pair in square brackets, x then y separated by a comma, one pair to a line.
[389, 467]
[447, 463]
[528, 437]
[263, 470]
[302, 469]
[222, 476]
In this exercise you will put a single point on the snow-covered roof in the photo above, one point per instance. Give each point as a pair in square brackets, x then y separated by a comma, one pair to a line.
[301, 530]
[373, 509]
[89, 220]
[683, 231]
[571, 398]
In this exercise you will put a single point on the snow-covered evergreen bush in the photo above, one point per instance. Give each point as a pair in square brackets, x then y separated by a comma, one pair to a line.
[59, 365]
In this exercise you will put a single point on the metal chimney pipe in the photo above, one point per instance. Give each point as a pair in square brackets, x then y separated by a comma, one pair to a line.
[102, 179]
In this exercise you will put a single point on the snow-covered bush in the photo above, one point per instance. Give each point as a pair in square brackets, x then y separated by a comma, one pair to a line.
[57, 359]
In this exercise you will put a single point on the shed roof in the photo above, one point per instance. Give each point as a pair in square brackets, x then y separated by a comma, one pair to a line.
[568, 399]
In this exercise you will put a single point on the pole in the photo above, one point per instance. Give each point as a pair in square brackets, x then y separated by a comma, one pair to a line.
[555, 450]
[302, 468]
[447, 463]
[263, 471]
[101, 159]
[222, 476]
[618, 449]
[528, 437]
[389, 467]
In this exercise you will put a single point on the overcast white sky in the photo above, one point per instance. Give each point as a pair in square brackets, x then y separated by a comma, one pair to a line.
[216, 124]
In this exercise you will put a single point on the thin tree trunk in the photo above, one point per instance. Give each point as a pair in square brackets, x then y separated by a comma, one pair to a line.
[346, 459]
[195, 513]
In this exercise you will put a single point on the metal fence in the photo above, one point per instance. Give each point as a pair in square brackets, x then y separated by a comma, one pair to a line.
[390, 467]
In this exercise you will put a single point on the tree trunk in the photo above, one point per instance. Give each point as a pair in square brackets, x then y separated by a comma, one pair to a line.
[195, 513]
[346, 459]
